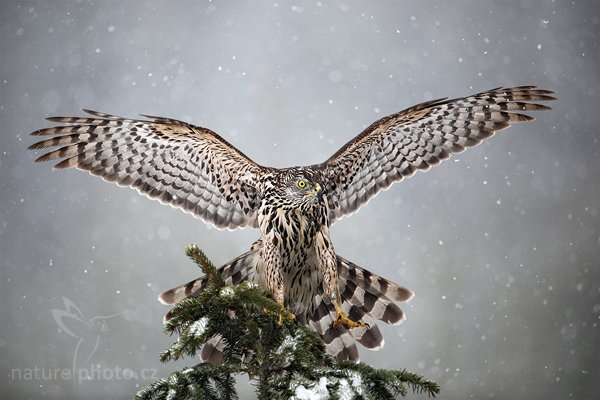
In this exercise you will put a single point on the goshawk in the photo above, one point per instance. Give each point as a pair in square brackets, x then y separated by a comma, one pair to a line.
[197, 171]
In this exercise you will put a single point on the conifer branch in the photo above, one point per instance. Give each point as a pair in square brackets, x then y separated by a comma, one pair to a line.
[286, 359]
[205, 264]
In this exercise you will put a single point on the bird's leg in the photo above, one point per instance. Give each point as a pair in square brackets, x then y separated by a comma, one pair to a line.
[277, 291]
[331, 288]
[343, 318]
[274, 280]
[276, 288]
[284, 314]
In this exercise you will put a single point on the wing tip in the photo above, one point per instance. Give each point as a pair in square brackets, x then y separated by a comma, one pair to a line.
[515, 117]
[43, 158]
[90, 111]
[56, 119]
[67, 163]
[36, 145]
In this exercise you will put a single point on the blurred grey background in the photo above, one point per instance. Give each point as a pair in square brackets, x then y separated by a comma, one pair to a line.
[501, 244]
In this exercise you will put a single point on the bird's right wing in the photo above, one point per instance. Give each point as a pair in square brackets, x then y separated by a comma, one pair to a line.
[185, 166]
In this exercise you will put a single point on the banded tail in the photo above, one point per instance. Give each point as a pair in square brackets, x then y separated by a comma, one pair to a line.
[365, 296]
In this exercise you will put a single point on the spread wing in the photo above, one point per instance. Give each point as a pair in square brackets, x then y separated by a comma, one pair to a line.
[176, 163]
[417, 138]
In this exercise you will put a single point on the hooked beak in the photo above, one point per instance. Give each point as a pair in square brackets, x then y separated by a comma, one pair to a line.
[318, 191]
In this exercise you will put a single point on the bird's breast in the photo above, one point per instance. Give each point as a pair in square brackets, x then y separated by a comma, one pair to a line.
[296, 227]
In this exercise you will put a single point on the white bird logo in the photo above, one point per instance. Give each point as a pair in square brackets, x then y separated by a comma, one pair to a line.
[87, 332]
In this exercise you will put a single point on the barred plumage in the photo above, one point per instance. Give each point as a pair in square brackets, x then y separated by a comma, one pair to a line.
[176, 163]
[397, 146]
[194, 169]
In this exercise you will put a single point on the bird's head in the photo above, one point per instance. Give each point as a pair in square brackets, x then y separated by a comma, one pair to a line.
[302, 186]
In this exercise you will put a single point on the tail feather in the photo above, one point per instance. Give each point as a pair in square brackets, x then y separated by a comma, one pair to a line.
[234, 272]
[338, 341]
[370, 336]
[365, 297]
[212, 351]
[371, 282]
[376, 305]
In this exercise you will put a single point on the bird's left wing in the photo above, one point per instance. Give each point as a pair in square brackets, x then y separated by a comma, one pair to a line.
[176, 163]
[417, 138]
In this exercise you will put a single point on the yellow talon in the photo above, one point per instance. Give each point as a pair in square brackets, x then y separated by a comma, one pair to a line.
[343, 319]
[284, 314]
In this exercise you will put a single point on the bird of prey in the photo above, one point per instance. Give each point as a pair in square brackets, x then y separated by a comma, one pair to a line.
[199, 172]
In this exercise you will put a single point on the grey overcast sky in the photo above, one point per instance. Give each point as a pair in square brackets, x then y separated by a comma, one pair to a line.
[501, 244]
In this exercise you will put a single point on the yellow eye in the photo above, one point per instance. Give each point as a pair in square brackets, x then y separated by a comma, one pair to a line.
[301, 184]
